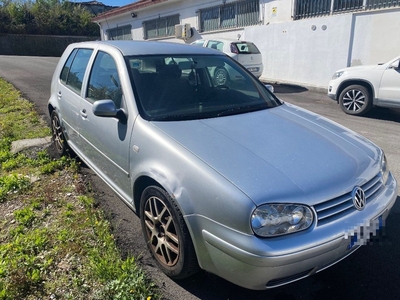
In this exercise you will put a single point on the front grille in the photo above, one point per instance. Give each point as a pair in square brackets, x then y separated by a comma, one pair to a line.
[338, 207]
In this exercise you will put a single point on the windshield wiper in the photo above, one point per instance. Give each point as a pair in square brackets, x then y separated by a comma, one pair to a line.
[241, 109]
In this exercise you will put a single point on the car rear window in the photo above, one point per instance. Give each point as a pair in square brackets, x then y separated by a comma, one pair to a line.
[247, 48]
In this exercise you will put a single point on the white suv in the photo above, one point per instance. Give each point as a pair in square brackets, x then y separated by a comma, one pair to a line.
[358, 89]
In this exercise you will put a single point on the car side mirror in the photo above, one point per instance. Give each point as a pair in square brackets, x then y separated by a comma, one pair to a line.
[270, 87]
[395, 65]
[106, 108]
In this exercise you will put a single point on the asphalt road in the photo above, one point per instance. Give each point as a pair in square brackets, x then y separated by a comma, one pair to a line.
[371, 273]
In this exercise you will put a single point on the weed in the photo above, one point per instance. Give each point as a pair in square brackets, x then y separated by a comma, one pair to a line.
[54, 241]
[25, 216]
[12, 183]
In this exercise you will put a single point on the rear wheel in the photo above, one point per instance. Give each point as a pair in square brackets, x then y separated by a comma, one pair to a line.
[166, 234]
[60, 144]
[355, 100]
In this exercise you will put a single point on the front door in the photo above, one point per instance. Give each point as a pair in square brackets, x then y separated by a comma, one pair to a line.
[389, 91]
[105, 139]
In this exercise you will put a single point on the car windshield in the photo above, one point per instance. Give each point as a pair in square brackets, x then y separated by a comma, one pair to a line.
[178, 87]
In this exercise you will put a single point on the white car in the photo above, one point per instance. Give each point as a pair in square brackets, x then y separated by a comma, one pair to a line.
[358, 89]
[244, 52]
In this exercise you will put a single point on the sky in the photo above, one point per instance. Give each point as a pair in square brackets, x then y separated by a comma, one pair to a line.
[110, 2]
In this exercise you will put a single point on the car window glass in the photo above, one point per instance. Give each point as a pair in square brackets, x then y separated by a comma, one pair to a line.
[183, 87]
[247, 48]
[104, 81]
[67, 66]
[215, 45]
[199, 43]
[77, 70]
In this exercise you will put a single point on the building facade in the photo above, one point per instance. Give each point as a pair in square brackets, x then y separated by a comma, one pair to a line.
[302, 41]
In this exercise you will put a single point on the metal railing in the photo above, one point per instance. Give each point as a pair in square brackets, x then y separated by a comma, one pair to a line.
[160, 27]
[120, 33]
[317, 8]
[231, 15]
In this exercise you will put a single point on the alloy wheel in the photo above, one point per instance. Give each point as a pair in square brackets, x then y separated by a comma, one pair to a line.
[161, 231]
[354, 100]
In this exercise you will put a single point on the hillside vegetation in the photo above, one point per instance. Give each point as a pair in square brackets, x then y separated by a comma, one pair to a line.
[46, 17]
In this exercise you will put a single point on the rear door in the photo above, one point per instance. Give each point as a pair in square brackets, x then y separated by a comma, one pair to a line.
[69, 93]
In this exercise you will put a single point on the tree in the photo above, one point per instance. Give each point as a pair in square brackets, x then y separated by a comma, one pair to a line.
[50, 17]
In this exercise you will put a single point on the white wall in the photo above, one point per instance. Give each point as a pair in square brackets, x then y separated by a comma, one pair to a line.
[305, 52]
[376, 38]
[302, 52]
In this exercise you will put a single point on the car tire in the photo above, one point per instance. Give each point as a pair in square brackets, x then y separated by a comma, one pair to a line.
[221, 76]
[355, 100]
[58, 137]
[166, 234]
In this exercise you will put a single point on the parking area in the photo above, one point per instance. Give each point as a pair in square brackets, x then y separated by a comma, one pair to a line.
[361, 276]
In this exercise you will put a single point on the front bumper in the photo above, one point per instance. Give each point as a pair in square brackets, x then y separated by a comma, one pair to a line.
[332, 96]
[332, 90]
[257, 263]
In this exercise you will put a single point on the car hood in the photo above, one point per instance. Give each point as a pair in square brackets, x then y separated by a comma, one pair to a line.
[282, 154]
[358, 68]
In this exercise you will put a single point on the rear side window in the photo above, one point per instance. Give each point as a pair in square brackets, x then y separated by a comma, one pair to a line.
[67, 66]
[247, 48]
[215, 45]
[198, 43]
[75, 67]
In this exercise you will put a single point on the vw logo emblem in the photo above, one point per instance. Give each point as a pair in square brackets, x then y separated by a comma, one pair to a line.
[359, 199]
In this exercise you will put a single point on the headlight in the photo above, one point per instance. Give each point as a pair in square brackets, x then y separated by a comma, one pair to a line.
[384, 168]
[277, 219]
[337, 74]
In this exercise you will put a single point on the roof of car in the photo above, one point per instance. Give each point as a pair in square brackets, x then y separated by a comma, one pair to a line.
[229, 40]
[148, 47]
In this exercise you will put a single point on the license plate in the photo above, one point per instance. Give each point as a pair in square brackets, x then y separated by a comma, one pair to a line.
[362, 234]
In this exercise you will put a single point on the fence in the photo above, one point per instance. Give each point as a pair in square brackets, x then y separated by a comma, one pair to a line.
[231, 15]
[317, 8]
[37, 45]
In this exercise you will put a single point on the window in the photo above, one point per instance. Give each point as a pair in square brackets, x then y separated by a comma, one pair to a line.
[216, 45]
[120, 33]
[104, 81]
[232, 15]
[186, 87]
[198, 43]
[160, 27]
[75, 67]
[312, 8]
[377, 4]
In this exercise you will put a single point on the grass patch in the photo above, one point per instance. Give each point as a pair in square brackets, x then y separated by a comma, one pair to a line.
[54, 242]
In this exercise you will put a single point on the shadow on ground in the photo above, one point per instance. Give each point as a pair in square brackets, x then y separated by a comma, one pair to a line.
[287, 88]
[387, 114]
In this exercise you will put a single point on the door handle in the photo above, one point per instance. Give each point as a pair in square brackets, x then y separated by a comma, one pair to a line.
[83, 113]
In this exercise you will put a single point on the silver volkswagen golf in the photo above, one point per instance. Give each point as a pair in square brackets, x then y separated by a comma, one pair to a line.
[226, 178]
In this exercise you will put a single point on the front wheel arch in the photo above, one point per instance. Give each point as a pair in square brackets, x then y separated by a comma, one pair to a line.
[166, 234]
